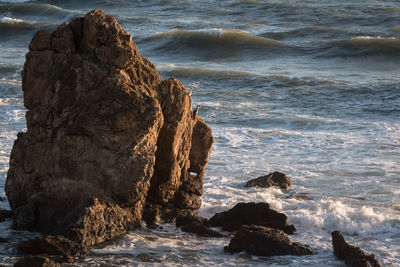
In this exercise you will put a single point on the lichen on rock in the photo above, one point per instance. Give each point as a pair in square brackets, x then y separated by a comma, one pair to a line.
[107, 140]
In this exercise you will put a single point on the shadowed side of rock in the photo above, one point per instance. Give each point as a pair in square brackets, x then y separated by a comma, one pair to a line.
[352, 255]
[264, 241]
[251, 214]
[102, 129]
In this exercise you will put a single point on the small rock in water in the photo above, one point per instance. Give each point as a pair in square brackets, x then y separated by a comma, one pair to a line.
[264, 241]
[3, 240]
[277, 179]
[197, 225]
[301, 196]
[352, 255]
[251, 213]
[182, 220]
[36, 261]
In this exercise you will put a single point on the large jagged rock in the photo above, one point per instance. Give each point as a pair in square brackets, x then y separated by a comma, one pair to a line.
[264, 241]
[352, 255]
[251, 214]
[108, 142]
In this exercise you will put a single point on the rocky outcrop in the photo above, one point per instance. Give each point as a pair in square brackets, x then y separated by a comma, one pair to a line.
[277, 179]
[264, 241]
[108, 142]
[352, 255]
[251, 214]
[197, 225]
[60, 246]
[36, 261]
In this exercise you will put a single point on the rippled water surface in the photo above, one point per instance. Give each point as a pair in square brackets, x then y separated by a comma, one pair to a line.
[309, 88]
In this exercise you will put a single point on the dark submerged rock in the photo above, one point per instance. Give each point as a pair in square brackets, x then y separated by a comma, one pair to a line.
[108, 142]
[60, 246]
[182, 220]
[264, 241]
[200, 229]
[5, 214]
[251, 214]
[352, 255]
[36, 261]
[277, 179]
[197, 225]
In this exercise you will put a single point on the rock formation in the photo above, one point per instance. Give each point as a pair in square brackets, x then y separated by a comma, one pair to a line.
[108, 142]
[277, 179]
[352, 255]
[251, 214]
[264, 241]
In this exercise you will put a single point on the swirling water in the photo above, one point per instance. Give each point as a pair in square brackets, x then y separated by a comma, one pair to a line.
[309, 88]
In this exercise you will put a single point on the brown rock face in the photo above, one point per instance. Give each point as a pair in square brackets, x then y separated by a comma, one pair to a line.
[352, 255]
[107, 140]
[277, 179]
[251, 214]
[264, 241]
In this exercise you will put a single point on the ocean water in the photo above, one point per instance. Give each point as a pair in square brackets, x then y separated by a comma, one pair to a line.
[309, 88]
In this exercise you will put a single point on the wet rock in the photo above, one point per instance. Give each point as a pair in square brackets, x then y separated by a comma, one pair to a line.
[197, 225]
[352, 255]
[36, 261]
[60, 246]
[251, 214]
[200, 229]
[108, 142]
[264, 241]
[5, 214]
[300, 196]
[277, 179]
[182, 220]
[3, 240]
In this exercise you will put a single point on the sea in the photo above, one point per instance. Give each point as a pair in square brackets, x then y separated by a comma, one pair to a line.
[308, 88]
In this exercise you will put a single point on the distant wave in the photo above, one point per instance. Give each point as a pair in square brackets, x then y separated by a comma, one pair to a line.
[34, 9]
[8, 24]
[216, 36]
[211, 43]
[310, 32]
[362, 46]
[196, 73]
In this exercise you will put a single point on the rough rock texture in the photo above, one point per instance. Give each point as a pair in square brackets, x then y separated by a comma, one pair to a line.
[197, 225]
[251, 213]
[36, 261]
[108, 142]
[60, 246]
[264, 241]
[352, 255]
[277, 179]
